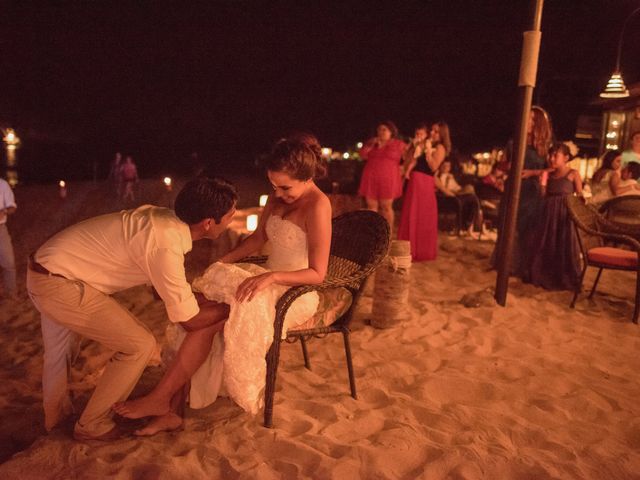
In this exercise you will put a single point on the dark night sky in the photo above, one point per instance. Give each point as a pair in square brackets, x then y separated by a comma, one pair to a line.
[235, 75]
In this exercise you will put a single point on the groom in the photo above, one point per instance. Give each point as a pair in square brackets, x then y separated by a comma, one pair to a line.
[71, 276]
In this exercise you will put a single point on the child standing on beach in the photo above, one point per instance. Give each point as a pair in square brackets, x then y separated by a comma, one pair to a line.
[555, 261]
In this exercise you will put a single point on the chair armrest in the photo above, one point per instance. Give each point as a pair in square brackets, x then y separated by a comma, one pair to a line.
[611, 226]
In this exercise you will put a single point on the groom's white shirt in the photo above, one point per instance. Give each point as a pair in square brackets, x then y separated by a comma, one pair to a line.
[120, 250]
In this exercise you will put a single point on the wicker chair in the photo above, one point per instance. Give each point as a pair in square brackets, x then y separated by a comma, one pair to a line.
[359, 243]
[624, 214]
[593, 231]
[448, 205]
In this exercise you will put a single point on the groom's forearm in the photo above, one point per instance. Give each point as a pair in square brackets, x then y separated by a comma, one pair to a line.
[249, 246]
[210, 314]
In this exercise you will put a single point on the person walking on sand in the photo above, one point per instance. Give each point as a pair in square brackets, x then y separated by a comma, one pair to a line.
[71, 276]
[7, 258]
[128, 178]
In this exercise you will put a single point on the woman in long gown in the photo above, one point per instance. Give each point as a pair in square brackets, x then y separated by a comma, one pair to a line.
[555, 258]
[419, 218]
[297, 221]
[539, 139]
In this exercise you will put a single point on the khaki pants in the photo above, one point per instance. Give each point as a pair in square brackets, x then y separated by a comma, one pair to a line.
[69, 307]
[7, 262]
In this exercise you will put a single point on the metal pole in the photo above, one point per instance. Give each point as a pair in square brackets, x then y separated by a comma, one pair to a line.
[526, 82]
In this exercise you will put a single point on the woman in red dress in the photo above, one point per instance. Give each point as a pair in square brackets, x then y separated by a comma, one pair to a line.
[382, 176]
[419, 219]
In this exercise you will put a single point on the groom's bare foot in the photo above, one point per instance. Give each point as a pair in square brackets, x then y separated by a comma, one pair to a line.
[164, 423]
[142, 407]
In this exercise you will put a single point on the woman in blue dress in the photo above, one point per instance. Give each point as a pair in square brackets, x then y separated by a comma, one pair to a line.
[539, 138]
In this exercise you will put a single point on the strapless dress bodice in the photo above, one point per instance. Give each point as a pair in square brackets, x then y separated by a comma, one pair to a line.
[289, 248]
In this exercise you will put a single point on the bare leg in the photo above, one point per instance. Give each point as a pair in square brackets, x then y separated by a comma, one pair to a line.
[372, 204]
[192, 353]
[170, 421]
[386, 210]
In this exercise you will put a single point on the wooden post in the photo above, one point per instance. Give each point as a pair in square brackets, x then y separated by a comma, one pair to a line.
[526, 82]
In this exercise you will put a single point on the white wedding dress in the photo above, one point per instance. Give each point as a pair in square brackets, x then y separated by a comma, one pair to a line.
[237, 364]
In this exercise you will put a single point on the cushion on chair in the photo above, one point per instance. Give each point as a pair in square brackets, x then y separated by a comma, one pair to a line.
[334, 302]
[613, 256]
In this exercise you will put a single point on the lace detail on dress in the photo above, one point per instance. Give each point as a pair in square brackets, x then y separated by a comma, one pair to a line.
[290, 250]
[248, 332]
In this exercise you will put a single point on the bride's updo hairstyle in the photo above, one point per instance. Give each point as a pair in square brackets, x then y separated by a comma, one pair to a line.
[299, 156]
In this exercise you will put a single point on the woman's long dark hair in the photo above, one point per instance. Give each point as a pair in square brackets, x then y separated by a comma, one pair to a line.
[607, 162]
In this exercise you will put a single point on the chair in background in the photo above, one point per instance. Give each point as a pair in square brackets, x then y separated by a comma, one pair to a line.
[624, 214]
[593, 233]
[450, 205]
[359, 243]
[490, 198]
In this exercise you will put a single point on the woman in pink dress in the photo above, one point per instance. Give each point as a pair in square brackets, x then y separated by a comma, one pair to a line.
[382, 176]
[419, 219]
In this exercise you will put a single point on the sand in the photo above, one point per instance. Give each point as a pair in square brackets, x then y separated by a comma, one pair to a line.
[531, 391]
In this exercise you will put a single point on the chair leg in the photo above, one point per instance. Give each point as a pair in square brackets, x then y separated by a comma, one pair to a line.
[636, 308]
[595, 284]
[347, 351]
[578, 288]
[305, 353]
[273, 356]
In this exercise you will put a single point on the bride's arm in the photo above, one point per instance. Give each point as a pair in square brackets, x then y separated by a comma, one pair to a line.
[318, 225]
[254, 242]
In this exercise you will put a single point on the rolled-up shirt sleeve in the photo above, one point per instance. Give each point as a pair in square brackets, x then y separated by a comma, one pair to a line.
[166, 272]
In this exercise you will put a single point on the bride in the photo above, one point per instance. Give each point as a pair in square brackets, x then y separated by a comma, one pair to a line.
[297, 223]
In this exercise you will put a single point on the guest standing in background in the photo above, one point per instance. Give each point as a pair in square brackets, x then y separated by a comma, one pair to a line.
[128, 178]
[539, 139]
[555, 259]
[114, 173]
[381, 181]
[419, 219]
[7, 258]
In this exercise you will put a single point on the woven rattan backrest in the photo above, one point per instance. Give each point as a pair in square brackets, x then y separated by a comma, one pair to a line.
[624, 209]
[360, 237]
[585, 218]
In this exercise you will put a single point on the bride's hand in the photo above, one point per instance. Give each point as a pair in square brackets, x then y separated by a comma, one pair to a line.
[252, 285]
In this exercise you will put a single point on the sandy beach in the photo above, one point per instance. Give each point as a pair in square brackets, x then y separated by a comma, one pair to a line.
[460, 390]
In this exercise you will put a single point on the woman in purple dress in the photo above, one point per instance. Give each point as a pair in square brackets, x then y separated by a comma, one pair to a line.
[555, 260]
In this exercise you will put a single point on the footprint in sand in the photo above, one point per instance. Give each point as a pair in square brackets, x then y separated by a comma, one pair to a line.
[376, 398]
[299, 427]
[512, 373]
[632, 435]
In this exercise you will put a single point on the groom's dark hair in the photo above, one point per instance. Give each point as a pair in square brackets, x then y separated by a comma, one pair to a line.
[205, 197]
